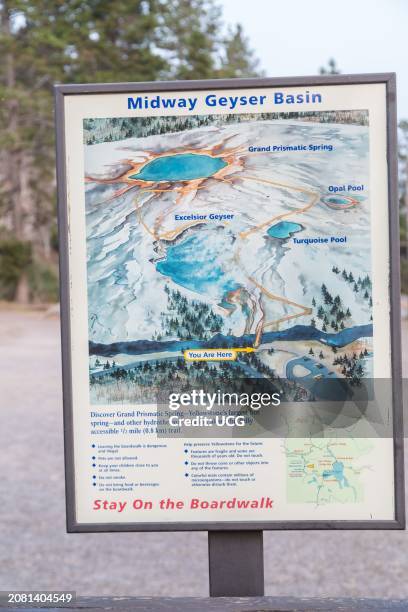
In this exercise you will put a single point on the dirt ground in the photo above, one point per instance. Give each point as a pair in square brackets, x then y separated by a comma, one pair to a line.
[36, 553]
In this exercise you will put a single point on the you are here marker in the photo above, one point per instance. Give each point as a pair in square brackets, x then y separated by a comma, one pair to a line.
[219, 354]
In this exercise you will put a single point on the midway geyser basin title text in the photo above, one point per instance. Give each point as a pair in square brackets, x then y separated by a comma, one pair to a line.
[214, 100]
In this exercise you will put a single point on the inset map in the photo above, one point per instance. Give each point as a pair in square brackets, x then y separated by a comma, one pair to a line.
[324, 471]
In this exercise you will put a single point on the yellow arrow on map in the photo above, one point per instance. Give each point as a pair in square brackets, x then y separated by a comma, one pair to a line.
[219, 354]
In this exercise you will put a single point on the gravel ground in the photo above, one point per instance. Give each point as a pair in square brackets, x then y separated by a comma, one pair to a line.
[36, 553]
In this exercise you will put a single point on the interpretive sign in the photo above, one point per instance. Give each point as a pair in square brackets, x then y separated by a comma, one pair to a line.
[230, 304]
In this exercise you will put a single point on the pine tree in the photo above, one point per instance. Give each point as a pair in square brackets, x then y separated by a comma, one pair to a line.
[42, 43]
[238, 58]
[331, 68]
[196, 46]
[191, 37]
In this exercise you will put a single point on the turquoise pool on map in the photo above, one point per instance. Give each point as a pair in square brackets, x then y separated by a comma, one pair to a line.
[284, 229]
[180, 167]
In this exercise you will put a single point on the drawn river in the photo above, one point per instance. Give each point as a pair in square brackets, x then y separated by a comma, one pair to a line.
[297, 332]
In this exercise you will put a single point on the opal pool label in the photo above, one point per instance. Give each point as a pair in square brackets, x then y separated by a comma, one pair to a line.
[345, 188]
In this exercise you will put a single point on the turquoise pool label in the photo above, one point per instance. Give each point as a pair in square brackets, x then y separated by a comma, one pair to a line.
[321, 240]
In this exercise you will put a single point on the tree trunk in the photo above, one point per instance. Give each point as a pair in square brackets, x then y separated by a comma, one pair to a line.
[12, 152]
[22, 295]
[405, 246]
[15, 162]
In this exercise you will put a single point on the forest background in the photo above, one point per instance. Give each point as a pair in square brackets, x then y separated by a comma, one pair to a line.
[71, 41]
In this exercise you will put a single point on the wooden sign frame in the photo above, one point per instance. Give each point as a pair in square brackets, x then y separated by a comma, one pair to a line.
[64, 91]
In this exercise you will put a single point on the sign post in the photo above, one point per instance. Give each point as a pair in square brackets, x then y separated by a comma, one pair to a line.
[230, 310]
[236, 565]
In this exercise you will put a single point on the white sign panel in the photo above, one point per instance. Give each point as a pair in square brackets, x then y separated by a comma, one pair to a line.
[226, 263]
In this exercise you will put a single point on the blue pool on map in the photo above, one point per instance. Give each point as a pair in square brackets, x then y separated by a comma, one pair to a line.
[197, 263]
[337, 472]
[338, 200]
[181, 167]
[284, 229]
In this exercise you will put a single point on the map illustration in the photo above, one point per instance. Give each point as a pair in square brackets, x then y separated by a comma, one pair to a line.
[210, 232]
[323, 471]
